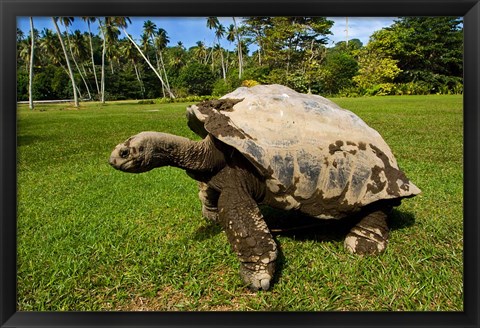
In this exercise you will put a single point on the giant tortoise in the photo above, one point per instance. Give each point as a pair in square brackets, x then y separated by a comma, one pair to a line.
[271, 145]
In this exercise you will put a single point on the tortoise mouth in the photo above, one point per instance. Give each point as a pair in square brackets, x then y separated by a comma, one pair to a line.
[131, 165]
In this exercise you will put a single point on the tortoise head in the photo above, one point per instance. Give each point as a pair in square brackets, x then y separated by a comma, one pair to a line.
[140, 153]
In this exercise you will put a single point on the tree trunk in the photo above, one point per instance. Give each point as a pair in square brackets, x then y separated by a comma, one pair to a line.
[159, 69]
[164, 70]
[93, 60]
[137, 73]
[223, 65]
[70, 72]
[76, 65]
[239, 46]
[149, 64]
[30, 82]
[102, 77]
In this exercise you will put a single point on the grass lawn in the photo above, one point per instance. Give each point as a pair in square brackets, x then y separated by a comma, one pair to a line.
[92, 238]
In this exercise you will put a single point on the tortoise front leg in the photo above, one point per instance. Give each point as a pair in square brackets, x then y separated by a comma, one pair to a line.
[209, 198]
[249, 236]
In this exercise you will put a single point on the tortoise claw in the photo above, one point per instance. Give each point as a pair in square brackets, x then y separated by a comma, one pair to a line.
[257, 279]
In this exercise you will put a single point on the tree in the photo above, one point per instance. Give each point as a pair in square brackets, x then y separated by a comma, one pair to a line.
[375, 68]
[30, 80]
[219, 33]
[130, 52]
[427, 49]
[239, 48]
[104, 50]
[110, 32]
[200, 52]
[197, 78]
[122, 23]
[292, 47]
[213, 23]
[92, 20]
[337, 71]
[67, 21]
[70, 72]
[161, 42]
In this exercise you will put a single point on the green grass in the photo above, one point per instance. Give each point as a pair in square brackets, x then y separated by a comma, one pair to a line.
[92, 238]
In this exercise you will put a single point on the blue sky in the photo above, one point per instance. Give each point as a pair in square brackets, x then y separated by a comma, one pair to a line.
[189, 30]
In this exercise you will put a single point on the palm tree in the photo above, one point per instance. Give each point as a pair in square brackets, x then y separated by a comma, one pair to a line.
[231, 34]
[200, 52]
[212, 23]
[239, 48]
[67, 21]
[51, 48]
[70, 72]
[110, 32]
[161, 42]
[92, 20]
[79, 48]
[30, 79]
[219, 33]
[104, 50]
[20, 35]
[149, 30]
[121, 22]
[128, 49]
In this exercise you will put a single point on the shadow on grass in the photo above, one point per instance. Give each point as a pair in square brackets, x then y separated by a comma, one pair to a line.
[303, 227]
[25, 140]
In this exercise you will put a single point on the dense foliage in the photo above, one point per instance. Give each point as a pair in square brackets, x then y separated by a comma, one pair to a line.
[416, 55]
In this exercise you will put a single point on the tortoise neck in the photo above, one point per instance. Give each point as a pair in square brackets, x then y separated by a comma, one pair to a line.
[196, 156]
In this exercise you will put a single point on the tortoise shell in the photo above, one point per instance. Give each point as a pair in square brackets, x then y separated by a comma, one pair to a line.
[308, 148]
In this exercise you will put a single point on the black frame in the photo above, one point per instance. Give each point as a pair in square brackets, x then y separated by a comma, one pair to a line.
[469, 9]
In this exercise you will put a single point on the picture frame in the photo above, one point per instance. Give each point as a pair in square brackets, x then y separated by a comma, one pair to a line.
[469, 9]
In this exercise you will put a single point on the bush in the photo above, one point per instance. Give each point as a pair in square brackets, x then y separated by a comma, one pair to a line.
[249, 83]
[222, 87]
[197, 79]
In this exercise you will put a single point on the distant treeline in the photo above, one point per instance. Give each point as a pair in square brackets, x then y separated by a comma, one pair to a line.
[416, 55]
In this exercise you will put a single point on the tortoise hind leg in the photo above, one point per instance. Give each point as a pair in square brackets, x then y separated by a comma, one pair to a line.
[249, 237]
[370, 235]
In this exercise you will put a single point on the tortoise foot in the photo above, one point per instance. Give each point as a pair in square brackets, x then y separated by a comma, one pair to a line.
[257, 276]
[369, 236]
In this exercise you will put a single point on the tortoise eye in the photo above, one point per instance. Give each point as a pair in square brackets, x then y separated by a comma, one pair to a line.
[124, 153]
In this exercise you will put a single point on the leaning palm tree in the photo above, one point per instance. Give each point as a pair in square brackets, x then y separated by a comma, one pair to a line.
[110, 33]
[121, 22]
[70, 72]
[90, 20]
[67, 21]
[149, 30]
[233, 34]
[30, 78]
[161, 42]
